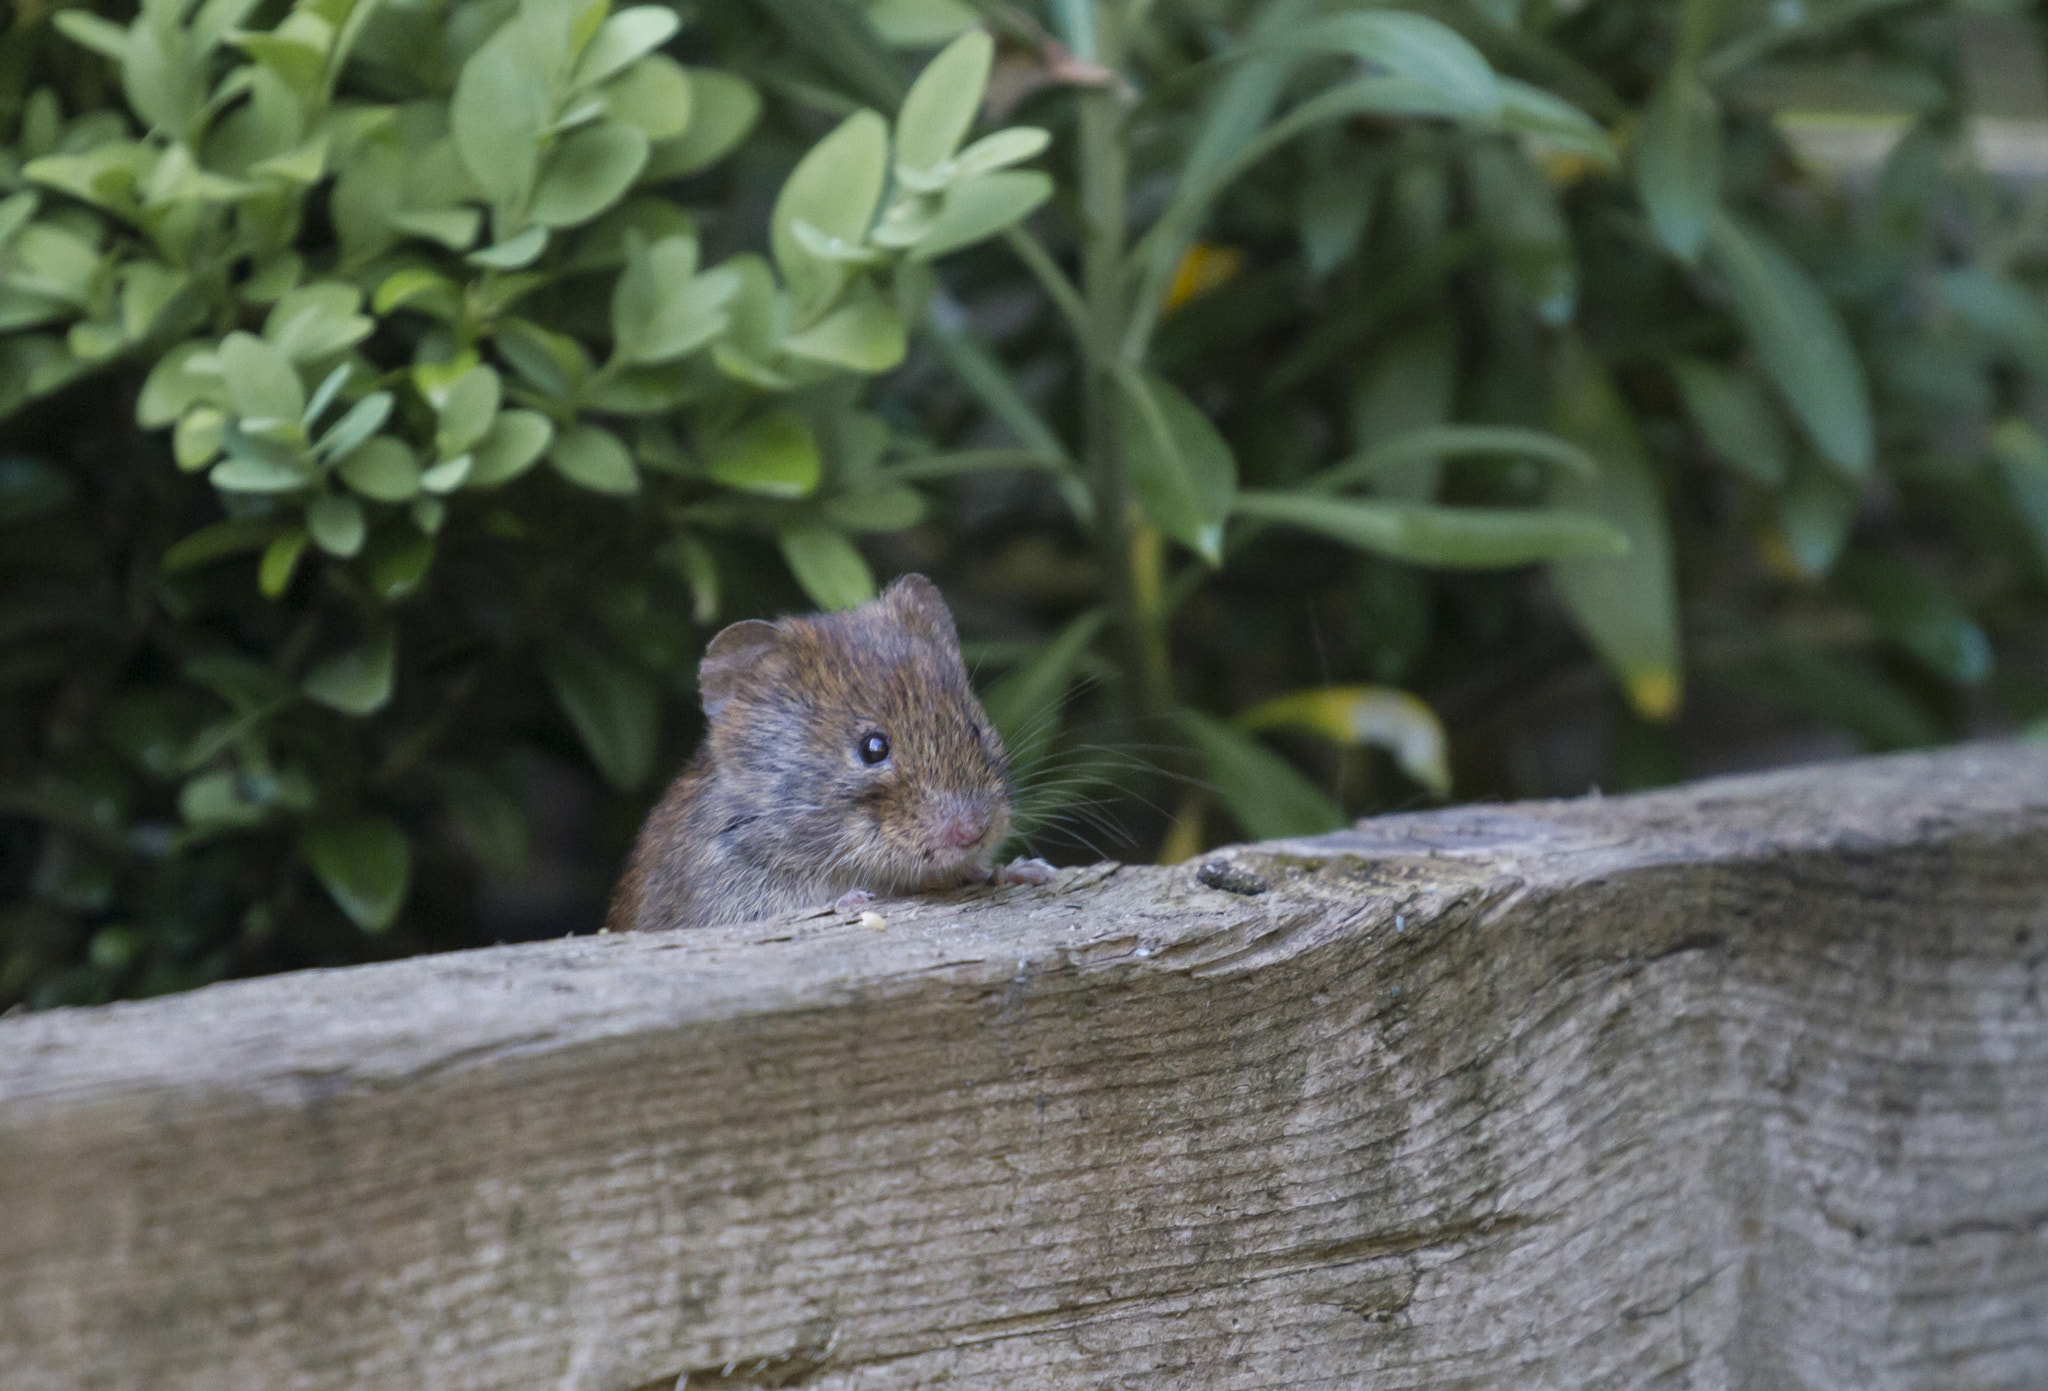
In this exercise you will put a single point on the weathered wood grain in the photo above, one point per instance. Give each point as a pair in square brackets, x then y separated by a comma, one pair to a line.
[1744, 1084]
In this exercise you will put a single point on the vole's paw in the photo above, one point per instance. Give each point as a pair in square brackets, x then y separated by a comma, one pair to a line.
[851, 899]
[1023, 871]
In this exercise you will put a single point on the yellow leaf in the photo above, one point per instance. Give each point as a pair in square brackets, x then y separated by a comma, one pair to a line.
[1367, 715]
[1204, 267]
[1654, 692]
[1184, 837]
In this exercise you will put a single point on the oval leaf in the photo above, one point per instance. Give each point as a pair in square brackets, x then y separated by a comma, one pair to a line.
[588, 170]
[612, 708]
[834, 188]
[593, 458]
[826, 564]
[512, 445]
[981, 207]
[939, 108]
[383, 470]
[356, 682]
[775, 456]
[365, 863]
[336, 523]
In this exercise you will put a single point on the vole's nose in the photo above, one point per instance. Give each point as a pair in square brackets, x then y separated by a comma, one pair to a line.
[963, 825]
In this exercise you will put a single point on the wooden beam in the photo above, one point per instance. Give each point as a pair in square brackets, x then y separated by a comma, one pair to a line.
[1741, 1084]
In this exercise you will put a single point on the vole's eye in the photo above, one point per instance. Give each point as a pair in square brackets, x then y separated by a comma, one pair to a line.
[873, 747]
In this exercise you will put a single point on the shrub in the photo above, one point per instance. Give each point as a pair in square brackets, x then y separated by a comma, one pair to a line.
[457, 416]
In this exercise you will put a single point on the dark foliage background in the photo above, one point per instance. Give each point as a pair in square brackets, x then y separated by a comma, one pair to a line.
[1374, 404]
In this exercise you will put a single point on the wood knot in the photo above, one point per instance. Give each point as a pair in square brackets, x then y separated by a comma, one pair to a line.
[1232, 879]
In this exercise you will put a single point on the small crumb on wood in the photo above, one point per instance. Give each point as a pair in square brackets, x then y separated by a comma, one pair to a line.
[874, 921]
[1232, 879]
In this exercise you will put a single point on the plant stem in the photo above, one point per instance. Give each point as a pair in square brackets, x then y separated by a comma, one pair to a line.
[1105, 189]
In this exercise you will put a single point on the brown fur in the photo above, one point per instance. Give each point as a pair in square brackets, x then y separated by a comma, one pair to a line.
[777, 811]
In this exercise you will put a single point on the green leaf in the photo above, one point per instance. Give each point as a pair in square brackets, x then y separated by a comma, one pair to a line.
[1919, 615]
[1738, 421]
[357, 682]
[774, 456]
[1411, 46]
[661, 308]
[877, 509]
[102, 36]
[2022, 456]
[382, 468]
[1677, 155]
[2008, 313]
[1626, 607]
[612, 708]
[1815, 511]
[1555, 125]
[1801, 340]
[1330, 218]
[467, 410]
[593, 458]
[1457, 538]
[196, 441]
[248, 473]
[365, 863]
[362, 420]
[623, 38]
[828, 567]
[512, 445]
[919, 23]
[864, 335]
[653, 95]
[497, 115]
[978, 208]
[487, 819]
[834, 188]
[280, 562]
[940, 106]
[217, 541]
[416, 282]
[261, 381]
[337, 524]
[723, 108]
[165, 80]
[588, 170]
[999, 150]
[1181, 470]
[514, 253]
[446, 476]
[1434, 442]
[397, 560]
[1269, 797]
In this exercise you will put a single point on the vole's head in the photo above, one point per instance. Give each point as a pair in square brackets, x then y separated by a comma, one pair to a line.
[859, 743]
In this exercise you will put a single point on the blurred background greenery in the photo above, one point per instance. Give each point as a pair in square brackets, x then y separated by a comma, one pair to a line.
[1311, 409]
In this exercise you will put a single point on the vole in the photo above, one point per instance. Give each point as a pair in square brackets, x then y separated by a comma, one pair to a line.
[846, 759]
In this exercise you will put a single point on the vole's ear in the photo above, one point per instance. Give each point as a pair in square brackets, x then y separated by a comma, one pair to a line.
[922, 608]
[728, 658]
